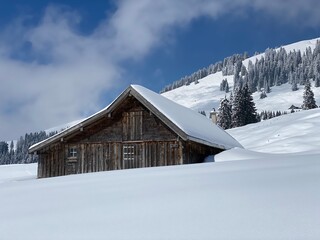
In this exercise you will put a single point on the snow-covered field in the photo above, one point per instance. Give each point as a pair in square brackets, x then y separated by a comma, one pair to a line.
[291, 133]
[263, 196]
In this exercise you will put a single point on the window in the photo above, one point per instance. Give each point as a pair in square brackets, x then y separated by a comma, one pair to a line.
[128, 152]
[72, 152]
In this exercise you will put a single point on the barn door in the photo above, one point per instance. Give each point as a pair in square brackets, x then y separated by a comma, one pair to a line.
[132, 155]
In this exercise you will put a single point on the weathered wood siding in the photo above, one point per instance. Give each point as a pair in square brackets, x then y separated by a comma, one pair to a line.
[52, 162]
[131, 137]
[109, 156]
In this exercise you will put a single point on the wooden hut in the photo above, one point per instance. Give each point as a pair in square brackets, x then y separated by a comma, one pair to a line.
[140, 128]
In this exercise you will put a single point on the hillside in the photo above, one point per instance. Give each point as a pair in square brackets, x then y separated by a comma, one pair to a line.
[264, 196]
[292, 133]
[205, 94]
[297, 46]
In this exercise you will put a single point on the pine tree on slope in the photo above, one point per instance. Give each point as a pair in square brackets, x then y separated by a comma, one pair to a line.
[308, 97]
[243, 108]
[225, 112]
[237, 116]
[249, 106]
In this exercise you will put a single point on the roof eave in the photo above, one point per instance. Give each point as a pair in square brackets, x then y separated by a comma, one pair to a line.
[211, 144]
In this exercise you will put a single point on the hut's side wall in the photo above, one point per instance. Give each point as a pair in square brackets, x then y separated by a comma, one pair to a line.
[51, 162]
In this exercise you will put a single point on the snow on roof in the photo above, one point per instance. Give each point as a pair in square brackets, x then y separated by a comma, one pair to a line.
[197, 127]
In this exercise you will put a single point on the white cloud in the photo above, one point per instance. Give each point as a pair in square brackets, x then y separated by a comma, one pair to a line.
[64, 77]
[50, 73]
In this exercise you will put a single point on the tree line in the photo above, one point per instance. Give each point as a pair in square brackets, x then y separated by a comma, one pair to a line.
[226, 66]
[274, 68]
[278, 67]
[11, 154]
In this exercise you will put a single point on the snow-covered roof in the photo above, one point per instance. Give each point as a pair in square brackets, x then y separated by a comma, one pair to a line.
[197, 127]
[187, 123]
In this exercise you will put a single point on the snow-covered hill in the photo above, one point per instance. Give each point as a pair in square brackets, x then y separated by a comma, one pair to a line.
[264, 196]
[206, 94]
[291, 133]
[297, 46]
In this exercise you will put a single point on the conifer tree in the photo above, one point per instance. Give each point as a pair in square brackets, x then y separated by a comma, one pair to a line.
[294, 87]
[317, 80]
[236, 117]
[308, 97]
[243, 108]
[224, 115]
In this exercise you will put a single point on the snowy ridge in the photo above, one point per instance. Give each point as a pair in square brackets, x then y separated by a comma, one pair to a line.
[206, 94]
[302, 46]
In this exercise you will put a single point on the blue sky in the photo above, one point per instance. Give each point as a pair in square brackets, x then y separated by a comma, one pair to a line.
[64, 60]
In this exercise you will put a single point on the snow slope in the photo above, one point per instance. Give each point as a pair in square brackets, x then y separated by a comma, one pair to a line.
[207, 95]
[264, 196]
[17, 172]
[291, 133]
[250, 199]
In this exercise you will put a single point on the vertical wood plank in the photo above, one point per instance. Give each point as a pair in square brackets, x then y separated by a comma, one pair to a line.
[39, 172]
[180, 153]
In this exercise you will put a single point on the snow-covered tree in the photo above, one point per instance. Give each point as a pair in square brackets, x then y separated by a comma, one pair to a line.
[243, 108]
[308, 97]
[294, 87]
[224, 115]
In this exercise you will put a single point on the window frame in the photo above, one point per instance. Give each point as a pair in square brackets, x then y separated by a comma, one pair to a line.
[128, 152]
[73, 152]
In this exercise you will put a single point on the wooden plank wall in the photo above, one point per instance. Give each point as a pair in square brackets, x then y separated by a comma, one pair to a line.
[52, 162]
[109, 156]
[96, 157]
[132, 126]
